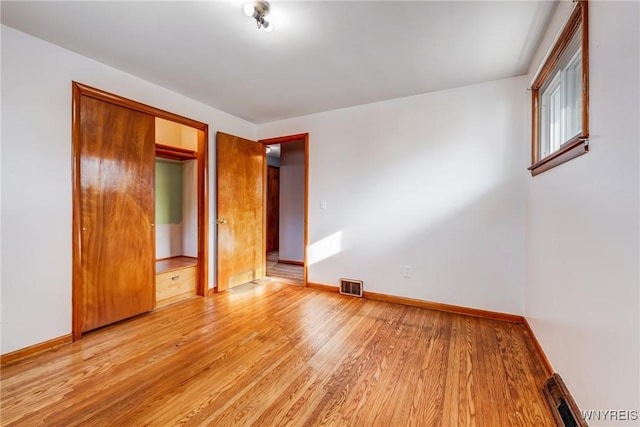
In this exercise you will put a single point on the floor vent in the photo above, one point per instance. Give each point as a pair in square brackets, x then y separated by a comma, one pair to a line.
[351, 287]
[563, 407]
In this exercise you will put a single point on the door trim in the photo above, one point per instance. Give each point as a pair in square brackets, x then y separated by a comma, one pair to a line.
[78, 91]
[283, 140]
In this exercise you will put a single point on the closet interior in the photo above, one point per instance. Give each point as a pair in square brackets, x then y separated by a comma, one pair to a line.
[176, 211]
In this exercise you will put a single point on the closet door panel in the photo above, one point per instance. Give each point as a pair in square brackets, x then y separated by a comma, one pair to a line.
[117, 176]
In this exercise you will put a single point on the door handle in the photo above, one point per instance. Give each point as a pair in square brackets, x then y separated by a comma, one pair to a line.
[222, 221]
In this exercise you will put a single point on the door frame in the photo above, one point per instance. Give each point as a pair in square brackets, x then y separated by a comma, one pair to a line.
[78, 91]
[301, 137]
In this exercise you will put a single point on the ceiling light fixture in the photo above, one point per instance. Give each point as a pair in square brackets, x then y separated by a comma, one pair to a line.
[258, 10]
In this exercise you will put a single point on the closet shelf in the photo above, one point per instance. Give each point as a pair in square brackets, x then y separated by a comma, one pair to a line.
[175, 263]
[175, 153]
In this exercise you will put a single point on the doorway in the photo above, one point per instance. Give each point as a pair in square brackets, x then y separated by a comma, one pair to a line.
[286, 208]
[241, 181]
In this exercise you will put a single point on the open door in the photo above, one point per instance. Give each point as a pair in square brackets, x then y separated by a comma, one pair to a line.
[240, 217]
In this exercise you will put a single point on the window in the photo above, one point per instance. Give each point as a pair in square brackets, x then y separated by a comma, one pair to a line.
[560, 90]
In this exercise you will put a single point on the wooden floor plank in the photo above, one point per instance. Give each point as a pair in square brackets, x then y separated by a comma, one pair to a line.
[270, 353]
[379, 407]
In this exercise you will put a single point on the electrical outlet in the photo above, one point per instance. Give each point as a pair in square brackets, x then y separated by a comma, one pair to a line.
[407, 269]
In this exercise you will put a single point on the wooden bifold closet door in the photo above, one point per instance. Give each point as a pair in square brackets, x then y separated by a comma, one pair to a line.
[117, 210]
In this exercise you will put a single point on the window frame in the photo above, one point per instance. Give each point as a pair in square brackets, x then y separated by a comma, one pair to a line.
[578, 144]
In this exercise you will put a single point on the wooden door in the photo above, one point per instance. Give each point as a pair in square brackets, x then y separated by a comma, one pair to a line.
[273, 208]
[117, 243]
[240, 169]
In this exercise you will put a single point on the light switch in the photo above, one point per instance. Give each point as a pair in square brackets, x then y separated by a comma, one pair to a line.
[323, 204]
[407, 271]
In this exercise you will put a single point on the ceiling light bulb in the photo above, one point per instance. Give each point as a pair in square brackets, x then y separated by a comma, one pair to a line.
[249, 9]
[258, 10]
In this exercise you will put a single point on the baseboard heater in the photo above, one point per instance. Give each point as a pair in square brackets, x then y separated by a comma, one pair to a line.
[563, 407]
[351, 287]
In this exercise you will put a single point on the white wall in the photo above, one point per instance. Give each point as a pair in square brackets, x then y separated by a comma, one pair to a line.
[273, 161]
[169, 240]
[582, 250]
[433, 181]
[36, 176]
[182, 238]
[190, 209]
[168, 174]
[291, 240]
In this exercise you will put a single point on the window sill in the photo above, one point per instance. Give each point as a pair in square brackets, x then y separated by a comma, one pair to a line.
[573, 148]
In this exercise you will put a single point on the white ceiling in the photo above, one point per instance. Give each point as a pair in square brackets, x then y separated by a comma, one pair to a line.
[322, 55]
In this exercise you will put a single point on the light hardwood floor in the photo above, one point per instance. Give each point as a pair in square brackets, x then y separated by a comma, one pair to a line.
[289, 273]
[274, 354]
